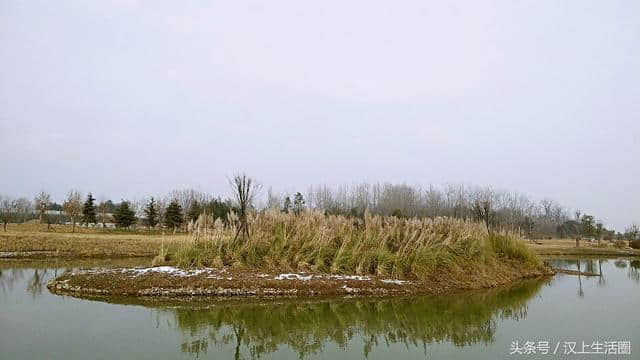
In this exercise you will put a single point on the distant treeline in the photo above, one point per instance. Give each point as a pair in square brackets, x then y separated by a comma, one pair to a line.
[496, 209]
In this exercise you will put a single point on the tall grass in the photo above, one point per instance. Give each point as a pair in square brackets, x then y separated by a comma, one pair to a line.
[375, 244]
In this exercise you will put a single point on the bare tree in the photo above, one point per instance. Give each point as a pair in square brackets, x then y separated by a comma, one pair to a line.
[5, 209]
[274, 201]
[73, 206]
[632, 233]
[42, 201]
[483, 204]
[103, 211]
[186, 197]
[244, 193]
[578, 214]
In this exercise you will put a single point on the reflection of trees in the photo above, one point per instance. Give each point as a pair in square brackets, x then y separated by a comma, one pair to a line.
[634, 270]
[9, 277]
[580, 291]
[305, 327]
[37, 282]
[620, 264]
[33, 275]
[602, 282]
[36, 279]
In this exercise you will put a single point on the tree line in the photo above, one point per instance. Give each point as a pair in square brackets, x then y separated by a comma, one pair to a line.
[499, 210]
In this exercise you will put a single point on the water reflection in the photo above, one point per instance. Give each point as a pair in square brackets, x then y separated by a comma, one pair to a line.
[589, 265]
[634, 270]
[405, 327]
[38, 272]
[8, 279]
[37, 282]
[307, 327]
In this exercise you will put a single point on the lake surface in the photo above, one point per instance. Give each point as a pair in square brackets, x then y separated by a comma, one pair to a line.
[564, 311]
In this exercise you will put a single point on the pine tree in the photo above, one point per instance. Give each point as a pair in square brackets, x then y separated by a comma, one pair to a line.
[89, 211]
[124, 216]
[173, 215]
[194, 211]
[151, 213]
[218, 209]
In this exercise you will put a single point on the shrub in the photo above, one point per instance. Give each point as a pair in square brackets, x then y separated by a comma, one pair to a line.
[635, 244]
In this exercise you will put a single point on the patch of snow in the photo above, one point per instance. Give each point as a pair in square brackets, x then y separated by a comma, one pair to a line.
[350, 277]
[394, 281]
[348, 289]
[293, 277]
[170, 270]
[262, 275]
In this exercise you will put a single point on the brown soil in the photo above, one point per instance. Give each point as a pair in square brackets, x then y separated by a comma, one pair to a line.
[247, 283]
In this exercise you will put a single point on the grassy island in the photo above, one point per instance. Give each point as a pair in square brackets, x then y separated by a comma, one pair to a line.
[312, 253]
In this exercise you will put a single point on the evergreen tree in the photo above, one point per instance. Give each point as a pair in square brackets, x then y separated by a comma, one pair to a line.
[89, 211]
[218, 209]
[124, 216]
[173, 215]
[194, 211]
[151, 213]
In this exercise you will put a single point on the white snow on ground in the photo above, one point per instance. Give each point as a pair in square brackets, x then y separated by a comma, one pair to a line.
[397, 282]
[4, 254]
[170, 270]
[216, 274]
[348, 289]
[293, 277]
[303, 277]
[350, 277]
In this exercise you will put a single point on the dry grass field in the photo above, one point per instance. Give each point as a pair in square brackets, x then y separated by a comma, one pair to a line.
[38, 241]
[85, 242]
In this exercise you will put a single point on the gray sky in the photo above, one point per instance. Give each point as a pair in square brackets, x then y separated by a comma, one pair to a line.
[126, 98]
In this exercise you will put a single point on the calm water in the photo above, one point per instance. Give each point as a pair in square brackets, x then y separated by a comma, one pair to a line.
[34, 324]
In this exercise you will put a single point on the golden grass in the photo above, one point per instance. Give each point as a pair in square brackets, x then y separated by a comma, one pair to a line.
[85, 243]
[389, 246]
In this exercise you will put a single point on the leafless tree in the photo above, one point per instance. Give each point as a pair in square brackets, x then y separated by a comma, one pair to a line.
[274, 201]
[244, 193]
[73, 206]
[5, 209]
[186, 197]
[161, 207]
[483, 206]
[103, 211]
[41, 202]
[632, 233]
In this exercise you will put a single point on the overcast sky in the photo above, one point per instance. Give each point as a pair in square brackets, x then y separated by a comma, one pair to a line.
[128, 98]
